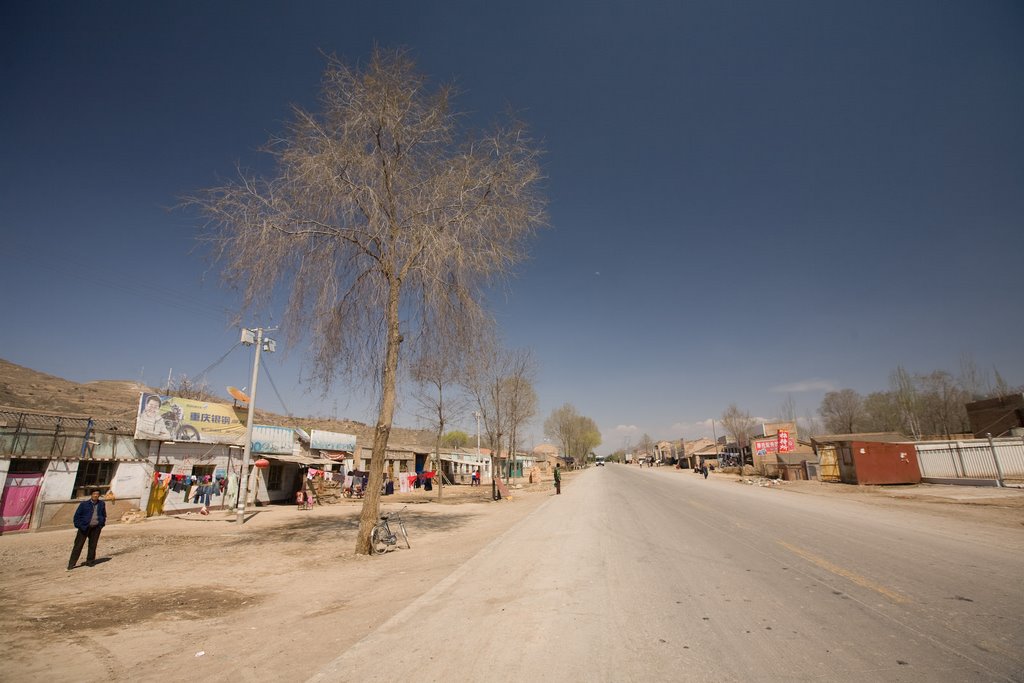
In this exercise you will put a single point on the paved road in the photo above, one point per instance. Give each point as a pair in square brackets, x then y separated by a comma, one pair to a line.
[657, 575]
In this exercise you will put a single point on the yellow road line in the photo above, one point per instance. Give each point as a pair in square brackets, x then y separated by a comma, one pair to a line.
[845, 573]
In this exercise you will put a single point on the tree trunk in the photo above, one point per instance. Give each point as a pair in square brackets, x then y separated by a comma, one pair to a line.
[371, 500]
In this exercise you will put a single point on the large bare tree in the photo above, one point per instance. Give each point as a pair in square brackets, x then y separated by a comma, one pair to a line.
[382, 222]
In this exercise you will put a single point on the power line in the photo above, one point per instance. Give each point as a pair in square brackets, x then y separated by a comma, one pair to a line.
[274, 387]
[219, 360]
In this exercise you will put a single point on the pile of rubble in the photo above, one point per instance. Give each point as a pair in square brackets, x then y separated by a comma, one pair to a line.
[763, 481]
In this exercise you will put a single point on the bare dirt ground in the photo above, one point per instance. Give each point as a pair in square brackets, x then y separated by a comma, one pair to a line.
[274, 600]
[995, 506]
[281, 597]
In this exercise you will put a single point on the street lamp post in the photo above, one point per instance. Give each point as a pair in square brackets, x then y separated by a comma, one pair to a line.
[261, 344]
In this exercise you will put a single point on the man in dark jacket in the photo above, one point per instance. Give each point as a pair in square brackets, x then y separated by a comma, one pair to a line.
[90, 517]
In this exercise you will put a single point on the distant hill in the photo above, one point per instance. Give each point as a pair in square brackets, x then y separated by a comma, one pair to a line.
[22, 387]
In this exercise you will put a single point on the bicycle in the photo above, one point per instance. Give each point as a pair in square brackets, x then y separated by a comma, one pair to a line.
[173, 419]
[381, 537]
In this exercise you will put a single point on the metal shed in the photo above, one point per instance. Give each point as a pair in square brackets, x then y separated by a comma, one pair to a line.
[869, 458]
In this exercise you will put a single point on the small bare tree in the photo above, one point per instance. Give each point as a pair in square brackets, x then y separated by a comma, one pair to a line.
[436, 374]
[787, 411]
[520, 397]
[739, 425]
[905, 391]
[483, 380]
[383, 221]
[188, 387]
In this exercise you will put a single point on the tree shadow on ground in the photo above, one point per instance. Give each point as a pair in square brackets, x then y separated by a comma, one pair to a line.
[321, 528]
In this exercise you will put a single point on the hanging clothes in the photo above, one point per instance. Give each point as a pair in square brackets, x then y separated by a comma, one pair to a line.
[231, 491]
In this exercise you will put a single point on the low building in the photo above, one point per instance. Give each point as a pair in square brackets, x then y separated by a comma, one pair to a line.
[1001, 416]
[874, 458]
[50, 462]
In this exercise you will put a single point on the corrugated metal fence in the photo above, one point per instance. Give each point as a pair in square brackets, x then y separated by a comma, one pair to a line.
[975, 459]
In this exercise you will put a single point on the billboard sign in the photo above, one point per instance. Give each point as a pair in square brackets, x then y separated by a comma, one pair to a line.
[170, 418]
[764, 446]
[332, 441]
[272, 440]
[785, 443]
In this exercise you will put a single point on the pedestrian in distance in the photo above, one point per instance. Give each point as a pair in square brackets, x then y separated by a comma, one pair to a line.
[704, 470]
[558, 479]
[90, 517]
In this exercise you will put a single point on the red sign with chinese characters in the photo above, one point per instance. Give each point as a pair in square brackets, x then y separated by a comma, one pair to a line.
[785, 444]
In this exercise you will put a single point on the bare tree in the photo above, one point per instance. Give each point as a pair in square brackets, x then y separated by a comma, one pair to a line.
[383, 222]
[882, 412]
[740, 425]
[436, 373]
[187, 387]
[1002, 388]
[787, 411]
[842, 411]
[519, 396]
[943, 404]
[647, 444]
[577, 435]
[905, 391]
[973, 379]
[484, 371]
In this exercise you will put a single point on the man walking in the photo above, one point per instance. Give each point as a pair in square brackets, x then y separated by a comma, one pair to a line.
[558, 478]
[90, 517]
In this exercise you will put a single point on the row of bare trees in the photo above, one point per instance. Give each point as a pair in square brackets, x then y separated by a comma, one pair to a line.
[918, 405]
[576, 435]
[493, 383]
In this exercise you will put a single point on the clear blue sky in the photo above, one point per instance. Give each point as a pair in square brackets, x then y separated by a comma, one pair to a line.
[747, 198]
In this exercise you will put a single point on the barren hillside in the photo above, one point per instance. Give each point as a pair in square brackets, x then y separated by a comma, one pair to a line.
[22, 387]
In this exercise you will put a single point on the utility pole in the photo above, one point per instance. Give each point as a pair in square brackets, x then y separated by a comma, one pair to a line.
[476, 414]
[248, 338]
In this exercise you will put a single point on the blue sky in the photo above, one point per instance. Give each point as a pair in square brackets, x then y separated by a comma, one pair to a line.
[747, 199]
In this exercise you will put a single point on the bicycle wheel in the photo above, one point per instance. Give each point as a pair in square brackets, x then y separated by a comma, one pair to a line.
[379, 539]
[405, 534]
[187, 433]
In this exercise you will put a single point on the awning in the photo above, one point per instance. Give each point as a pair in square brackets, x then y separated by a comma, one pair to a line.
[299, 459]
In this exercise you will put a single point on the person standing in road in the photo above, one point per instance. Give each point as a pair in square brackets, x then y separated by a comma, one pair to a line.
[558, 478]
[90, 517]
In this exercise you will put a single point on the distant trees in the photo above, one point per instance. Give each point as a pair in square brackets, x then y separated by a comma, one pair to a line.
[455, 439]
[646, 445]
[576, 435]
[381, 223]
[918, 405]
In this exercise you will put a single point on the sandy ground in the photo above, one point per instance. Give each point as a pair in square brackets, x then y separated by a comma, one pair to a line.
[280, 597]
[273, 600]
